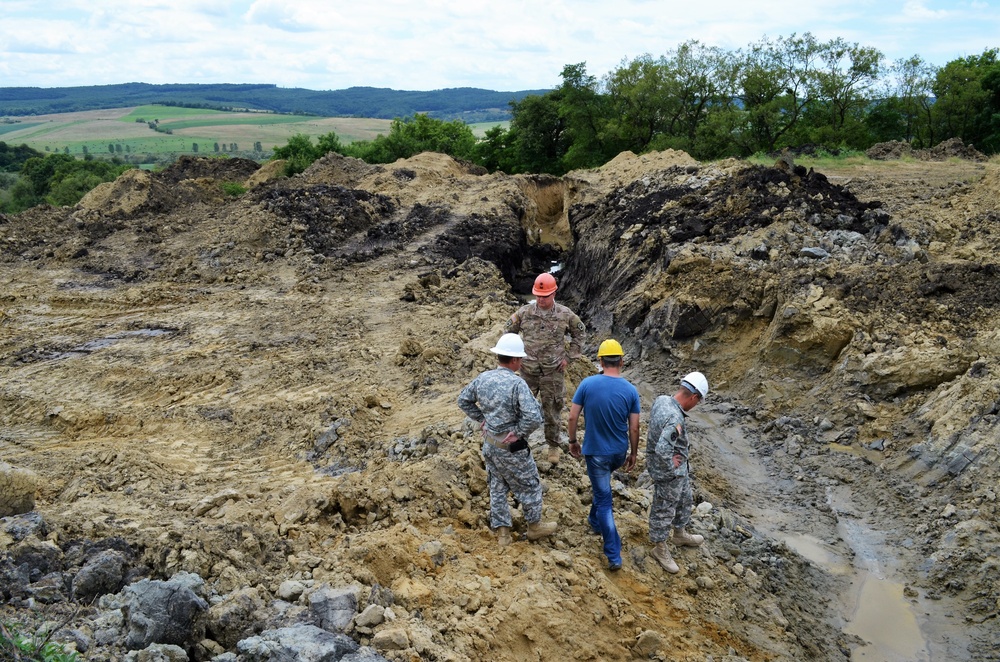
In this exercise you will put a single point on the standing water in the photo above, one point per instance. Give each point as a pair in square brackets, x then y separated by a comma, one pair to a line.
[894, 624]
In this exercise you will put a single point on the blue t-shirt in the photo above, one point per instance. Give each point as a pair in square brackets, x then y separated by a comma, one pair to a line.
[607, 403]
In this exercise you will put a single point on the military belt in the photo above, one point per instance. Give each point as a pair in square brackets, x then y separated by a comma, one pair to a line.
[494, 440]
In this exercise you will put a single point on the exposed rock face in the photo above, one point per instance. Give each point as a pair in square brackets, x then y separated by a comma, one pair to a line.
[258, 394]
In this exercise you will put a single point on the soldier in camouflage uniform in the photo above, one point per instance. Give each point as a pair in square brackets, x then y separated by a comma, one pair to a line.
[544, 325]
[507, 413]
[667, 462]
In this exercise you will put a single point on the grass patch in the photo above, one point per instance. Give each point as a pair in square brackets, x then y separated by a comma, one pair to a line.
[233, 189]
[155, 112]
[820, 159]
[16, 126]
[240, 120]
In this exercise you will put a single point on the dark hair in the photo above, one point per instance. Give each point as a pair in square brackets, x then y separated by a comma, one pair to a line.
[613, 361]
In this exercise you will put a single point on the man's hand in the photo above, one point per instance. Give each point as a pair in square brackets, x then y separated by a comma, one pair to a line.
[575, 450]
[510, 438]
[629, 462]
[678, 458]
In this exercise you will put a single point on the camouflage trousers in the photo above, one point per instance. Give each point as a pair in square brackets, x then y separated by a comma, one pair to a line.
[512, 472]
[550, 389]
[671, 507]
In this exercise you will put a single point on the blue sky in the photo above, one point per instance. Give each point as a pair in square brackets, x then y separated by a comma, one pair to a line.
[427, 45]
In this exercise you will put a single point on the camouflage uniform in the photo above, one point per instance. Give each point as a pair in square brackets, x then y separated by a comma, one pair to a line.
[672, 498]
[502, 399]
[544, 333]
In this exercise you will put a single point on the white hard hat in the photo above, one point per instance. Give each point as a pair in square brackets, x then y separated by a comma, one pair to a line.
[696, 383]
[510, 344]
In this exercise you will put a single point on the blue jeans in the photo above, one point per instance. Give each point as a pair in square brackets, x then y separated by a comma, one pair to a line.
[601, 519]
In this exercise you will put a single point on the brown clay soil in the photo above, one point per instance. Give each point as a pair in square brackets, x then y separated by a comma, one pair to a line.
[262, 388]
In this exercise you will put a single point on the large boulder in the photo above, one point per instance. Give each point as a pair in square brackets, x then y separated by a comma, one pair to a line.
[304, 643]
[164, 612]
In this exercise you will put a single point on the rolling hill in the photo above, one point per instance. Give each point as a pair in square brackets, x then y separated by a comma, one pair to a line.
[465, 103]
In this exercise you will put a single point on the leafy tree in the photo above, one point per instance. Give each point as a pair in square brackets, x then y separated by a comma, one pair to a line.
[585, 110]
[656, 104]
[70, 188]
[903, 111]
[328, 142]
[640, 94]
[59, 179]
[298, 153]
[991, 84]
[539, 137]
[843, 89]
[493, 151]
[774, 80]
[21, 196]
[420, 133]
[962, 106]
[12, 158]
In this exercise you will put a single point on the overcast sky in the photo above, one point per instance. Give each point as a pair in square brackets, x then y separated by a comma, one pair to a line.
[427, 45]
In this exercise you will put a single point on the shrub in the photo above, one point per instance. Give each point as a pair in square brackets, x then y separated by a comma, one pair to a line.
[17, 646]
[234, 189]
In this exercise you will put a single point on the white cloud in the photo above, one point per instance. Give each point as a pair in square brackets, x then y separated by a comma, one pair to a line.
[430, 44]
[917, 10]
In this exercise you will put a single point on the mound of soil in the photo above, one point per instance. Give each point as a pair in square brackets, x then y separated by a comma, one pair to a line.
[953, 148]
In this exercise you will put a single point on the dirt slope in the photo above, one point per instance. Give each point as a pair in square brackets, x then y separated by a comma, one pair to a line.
[261, 389]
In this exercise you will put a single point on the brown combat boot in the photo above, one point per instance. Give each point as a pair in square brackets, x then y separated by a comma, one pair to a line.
[539, 530]
[683, 538]
[503, 536]
[662, 556]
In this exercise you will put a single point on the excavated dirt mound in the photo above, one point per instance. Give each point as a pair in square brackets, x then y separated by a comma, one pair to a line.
[953, 148]
[261, 390]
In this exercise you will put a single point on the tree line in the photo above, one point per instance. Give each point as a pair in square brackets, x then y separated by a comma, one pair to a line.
[776, 93]
[29, 177]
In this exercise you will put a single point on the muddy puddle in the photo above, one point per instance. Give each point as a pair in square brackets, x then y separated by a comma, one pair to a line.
[892, 621]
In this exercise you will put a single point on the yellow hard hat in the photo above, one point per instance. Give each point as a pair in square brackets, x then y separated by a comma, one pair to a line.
[610, 347]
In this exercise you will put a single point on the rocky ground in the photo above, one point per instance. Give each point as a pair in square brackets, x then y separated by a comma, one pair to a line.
[255, 396]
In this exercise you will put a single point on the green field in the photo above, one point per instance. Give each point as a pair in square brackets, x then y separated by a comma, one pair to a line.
[98, 132]
[125, 132]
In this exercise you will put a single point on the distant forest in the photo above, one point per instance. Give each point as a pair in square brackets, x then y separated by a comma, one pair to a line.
[467, 104]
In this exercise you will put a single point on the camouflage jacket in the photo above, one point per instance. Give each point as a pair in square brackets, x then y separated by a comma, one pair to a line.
[544, 333]
[502, 399]
[665, 438]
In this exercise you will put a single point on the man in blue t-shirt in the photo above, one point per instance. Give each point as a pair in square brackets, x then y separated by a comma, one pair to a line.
[610, 407]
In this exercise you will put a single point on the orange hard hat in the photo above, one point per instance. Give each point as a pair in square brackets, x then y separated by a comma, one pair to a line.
[545, 285]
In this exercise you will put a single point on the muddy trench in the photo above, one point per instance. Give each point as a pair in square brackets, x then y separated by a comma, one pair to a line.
[837, 528]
